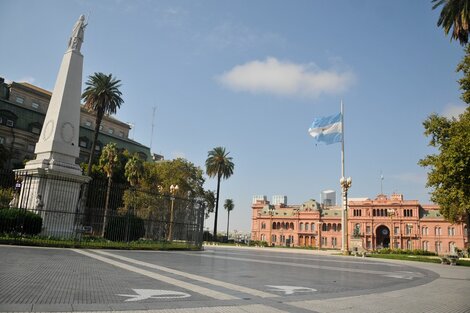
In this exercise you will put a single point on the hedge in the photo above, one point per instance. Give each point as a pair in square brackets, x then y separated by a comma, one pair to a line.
[124, 228]
[20, 221]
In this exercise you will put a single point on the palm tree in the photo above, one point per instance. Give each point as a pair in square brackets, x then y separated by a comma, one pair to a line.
[102, 96]
[109, 161]
[218, 164]
[455, 14]
[228, 205]
[134, 170]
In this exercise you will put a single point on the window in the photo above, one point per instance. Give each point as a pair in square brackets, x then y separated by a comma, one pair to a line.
[312, 227]
[31, 148]
[438, 246]
[19, 100]
[121, 134]
[301, 226]
[88, 123]
[451, 231]
[333, 242]
[367, 229]
[437, 231]
[83, 143]
[110, 131]
[2, 140]
[35, 105]
[324, 241]
[408, 229]
[35, 130]
[424, 230]
[273, 238]
[452, 248]
[10, 123]
[426, 245]
[306, 226]
[396, 230]
[409, 245]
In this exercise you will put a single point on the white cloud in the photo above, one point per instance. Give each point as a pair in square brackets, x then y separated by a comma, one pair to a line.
[453, 110]
[286, 78]
[28, 79]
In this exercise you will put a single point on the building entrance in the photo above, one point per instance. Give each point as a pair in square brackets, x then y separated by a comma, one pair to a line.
[382, 236]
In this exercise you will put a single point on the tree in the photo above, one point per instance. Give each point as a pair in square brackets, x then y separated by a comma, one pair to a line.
[229, 206]
[209, 199]
[455, 14]
[134, 170]
[109, 161]
[102, 96]
[220, 165]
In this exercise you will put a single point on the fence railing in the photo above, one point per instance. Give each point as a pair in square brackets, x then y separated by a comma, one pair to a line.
[97, 211]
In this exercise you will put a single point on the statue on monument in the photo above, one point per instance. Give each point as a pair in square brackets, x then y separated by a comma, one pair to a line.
[78, 33]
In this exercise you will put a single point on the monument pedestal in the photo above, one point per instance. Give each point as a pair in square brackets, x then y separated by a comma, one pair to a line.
[56, 197]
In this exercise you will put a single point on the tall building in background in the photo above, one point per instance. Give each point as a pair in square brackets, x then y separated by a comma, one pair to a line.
[328, 197]
[279, 199]
[259, 198]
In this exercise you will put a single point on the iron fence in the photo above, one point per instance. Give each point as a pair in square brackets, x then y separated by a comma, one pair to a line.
[95, 211]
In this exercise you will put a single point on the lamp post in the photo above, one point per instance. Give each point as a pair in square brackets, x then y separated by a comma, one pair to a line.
[173, 191]
[345, 185]
[391, 213]
[271, 213]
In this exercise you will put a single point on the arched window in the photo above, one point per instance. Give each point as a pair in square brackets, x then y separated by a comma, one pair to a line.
[334, 227]
[373, 212]
[323, 227]
[338, 228]
[426, 245]
[278, 226]
[306, 226]
[291, 226]
[274, 225]
[301, 226]
[312, 227]
[263, 225]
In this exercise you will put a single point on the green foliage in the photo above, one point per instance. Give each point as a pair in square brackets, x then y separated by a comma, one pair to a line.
[124, 228]
[6, 195]
[455, 14]
[134, 170]
[19, 221]
[449, 174]
[464, 82]
[229, 205]
[401, 251]
[102, 96]
[220, 165]
[258, 243]
[109, 159]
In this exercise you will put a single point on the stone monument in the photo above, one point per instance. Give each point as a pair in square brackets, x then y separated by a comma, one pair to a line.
[54, 177]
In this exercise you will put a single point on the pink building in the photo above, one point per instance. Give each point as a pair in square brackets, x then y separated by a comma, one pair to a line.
[372, 224]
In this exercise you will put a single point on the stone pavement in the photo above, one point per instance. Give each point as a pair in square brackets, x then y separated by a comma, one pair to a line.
[97, 278]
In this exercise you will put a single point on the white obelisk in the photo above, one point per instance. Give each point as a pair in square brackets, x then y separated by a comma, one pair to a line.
[51, 183]
[57, 148]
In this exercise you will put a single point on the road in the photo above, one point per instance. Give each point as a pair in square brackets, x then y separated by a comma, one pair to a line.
[223, 280]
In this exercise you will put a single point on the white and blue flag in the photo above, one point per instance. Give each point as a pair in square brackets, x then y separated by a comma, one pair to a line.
[327, 129]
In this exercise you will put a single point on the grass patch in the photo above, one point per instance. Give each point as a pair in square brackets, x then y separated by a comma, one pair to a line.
[96, 243]
[417, 258]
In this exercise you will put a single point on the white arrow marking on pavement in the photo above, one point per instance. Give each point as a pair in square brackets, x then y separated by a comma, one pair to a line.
[144, 294]
[288, 290]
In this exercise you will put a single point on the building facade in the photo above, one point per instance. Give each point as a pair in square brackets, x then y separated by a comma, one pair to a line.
[23, 108]
[372, 224]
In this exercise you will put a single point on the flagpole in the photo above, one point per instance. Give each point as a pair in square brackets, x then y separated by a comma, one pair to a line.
[345, 185]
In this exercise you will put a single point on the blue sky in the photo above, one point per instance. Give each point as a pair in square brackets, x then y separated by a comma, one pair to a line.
[251, 76]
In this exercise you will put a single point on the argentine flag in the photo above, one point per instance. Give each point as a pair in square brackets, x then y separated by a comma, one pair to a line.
[327, 129]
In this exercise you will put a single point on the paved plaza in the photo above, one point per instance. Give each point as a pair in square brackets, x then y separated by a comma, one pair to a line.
[221, 279]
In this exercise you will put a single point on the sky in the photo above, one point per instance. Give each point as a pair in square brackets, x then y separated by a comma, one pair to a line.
[250, 76]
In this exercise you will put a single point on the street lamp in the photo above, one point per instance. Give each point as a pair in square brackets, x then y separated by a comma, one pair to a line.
[173, 191]
[345, 185]
[391, 213]
[271, 213]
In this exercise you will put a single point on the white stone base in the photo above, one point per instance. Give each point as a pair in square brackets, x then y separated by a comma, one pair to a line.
[60, 194]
